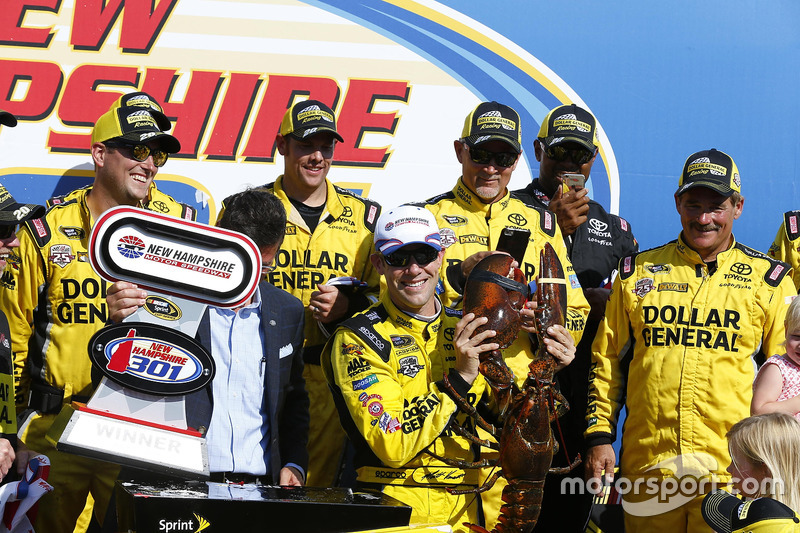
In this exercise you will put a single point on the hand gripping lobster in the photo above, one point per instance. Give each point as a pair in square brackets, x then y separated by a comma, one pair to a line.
[525, 441]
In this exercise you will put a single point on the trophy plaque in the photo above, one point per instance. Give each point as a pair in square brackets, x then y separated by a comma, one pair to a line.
[151, 361]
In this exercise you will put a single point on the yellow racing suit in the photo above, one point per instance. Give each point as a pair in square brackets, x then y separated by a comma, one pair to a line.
[467, 226]
[386, 371]
[340, 246]
[156, 201]
[695, 331]
[54, 304]
[786, 246]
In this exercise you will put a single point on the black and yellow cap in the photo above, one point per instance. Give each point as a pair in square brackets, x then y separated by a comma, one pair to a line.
[133, 125]
[142, 99]
[491, 121]
[569, 123]
[13, 212]
[712, 169]
[307, 118]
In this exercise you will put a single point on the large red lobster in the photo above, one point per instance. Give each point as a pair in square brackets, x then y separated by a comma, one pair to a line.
[525, 441]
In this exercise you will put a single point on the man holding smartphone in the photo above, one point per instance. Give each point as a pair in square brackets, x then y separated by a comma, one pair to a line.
[473, 215]
[596, 240]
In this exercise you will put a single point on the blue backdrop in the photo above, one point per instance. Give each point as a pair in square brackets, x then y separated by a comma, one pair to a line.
[667, 79]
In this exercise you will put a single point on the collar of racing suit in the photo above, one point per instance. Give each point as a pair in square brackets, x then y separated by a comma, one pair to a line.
[693, 257]
[408, 322]
[471, 202]
[333, 204]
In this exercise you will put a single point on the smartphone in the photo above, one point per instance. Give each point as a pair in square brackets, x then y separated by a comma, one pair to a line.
[573, 181]
[514, 242]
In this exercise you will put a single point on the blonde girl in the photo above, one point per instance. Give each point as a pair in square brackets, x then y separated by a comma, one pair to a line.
[765, 457]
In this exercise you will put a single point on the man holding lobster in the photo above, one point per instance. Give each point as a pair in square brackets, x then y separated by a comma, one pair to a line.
[472, 217]
[398, 370]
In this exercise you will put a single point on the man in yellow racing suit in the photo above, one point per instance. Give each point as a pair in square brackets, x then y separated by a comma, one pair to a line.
[471, 218]
[697, 310]
[329, 233]
[386, 367]
[58, 302]
[786, 246]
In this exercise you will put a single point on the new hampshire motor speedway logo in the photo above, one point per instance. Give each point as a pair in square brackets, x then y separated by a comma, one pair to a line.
[133, 247]
[673, 483]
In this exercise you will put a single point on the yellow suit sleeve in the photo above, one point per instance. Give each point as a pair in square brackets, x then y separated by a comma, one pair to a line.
[783, 249]
[376, 401]
[606, 379]
[777, 303]
[19, 303]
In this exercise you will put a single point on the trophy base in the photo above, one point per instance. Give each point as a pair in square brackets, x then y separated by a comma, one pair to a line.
[112, 439]
[218, 507]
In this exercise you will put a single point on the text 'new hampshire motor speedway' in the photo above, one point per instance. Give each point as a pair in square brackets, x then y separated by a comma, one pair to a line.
[189, 261]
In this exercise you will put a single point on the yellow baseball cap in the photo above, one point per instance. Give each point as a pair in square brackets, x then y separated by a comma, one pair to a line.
[133, 125]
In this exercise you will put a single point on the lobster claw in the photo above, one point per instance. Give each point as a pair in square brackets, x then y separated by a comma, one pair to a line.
[551, 293]
[497, 291]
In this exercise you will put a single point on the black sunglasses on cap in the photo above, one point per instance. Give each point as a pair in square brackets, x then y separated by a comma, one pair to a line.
[579, 156]
[7, 230]
[423, 256]
[140, 152]
[484, 157]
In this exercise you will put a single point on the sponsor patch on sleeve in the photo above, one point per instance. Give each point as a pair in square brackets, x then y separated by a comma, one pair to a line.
[365, 383]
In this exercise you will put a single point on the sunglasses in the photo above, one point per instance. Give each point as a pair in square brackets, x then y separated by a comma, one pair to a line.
[579, 156]
[7, 231]
[140, 152]
[484, 157]
[422, 256]
[266, 269]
